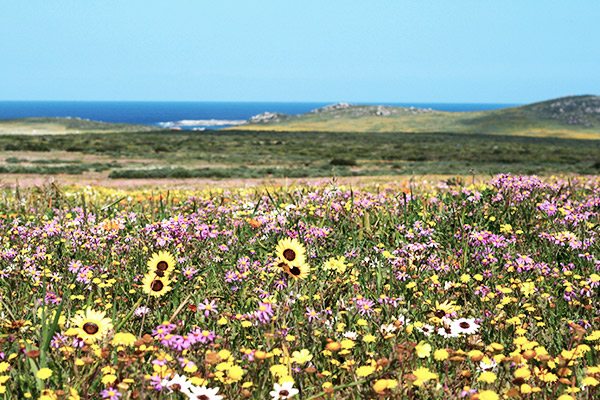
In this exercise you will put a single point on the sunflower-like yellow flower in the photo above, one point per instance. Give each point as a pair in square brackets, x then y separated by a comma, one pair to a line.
[298, 271]
[291, 252]
[155, 286]
[161, 264]
[91, 325]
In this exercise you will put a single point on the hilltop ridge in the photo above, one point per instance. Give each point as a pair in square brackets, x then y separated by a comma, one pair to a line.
[570, 116]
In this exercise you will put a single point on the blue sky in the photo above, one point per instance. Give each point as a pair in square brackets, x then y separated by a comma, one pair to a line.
[509, 51]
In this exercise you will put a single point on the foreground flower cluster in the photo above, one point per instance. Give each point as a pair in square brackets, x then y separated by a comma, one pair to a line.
[444, 290]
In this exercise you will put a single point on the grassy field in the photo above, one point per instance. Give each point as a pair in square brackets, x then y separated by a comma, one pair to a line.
[60, 126]
[249, 154]
[410, 290]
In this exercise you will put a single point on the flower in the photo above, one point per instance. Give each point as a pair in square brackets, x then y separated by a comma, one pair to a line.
[284, 391]
[44, 373]
[291, 252]
[488, 395]
[208, 307]
[365, 370]
[441, 354]
[91, 325]
[423, 375]
[110, 394]
[487, 377]
[301, 357]
[298, 271]
[161, 264]
[464, 326]
[155, 286]
[382, 384]
[205, 393]
[123, 338]
[336, 264]
[423, 349]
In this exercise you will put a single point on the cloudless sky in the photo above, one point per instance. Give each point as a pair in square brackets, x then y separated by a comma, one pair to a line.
[497, 51]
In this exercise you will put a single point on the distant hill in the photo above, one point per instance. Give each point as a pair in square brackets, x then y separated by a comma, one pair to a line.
[49, 126]
[575, 117]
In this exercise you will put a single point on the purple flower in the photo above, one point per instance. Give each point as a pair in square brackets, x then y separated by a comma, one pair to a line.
[208, 307]
[110, 394]
[264, 312]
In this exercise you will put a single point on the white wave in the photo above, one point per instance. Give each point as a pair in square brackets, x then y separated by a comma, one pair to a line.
[201, 122]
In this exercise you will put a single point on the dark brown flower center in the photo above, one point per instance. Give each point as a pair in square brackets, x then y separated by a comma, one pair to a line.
[464, 325]
[203, 397]
[282, 265]
[289, 254]
[284, 393]
[295, 271]
[157, 286]
[161, 266]
[90, 328]
[440, 313]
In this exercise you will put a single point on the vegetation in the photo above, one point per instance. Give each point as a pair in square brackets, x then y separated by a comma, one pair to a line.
[567, 117]
[447, 291]
[251, 154]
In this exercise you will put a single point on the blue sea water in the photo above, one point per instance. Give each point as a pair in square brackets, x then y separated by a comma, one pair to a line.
[187, 115]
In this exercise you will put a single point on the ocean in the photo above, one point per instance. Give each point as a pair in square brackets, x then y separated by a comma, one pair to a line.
[188, 115]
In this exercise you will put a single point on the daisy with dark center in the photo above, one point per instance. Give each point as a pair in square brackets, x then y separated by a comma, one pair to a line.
[298, 271]
[290, 251]
[465, 326]
[155, 286]
[284, 391]
[162, 264]
[91, 325]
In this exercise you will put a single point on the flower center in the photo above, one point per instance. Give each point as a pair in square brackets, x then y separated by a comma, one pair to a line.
[90, 328]
[464, 325]
[295, 271]
[157, 286]
[284, 393]
[203, 397]
[161, 266]
[289, 254]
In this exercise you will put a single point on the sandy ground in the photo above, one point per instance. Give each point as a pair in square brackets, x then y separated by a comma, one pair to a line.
[101, 179]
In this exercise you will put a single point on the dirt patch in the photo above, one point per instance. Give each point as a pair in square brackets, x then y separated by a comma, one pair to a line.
[101, 179]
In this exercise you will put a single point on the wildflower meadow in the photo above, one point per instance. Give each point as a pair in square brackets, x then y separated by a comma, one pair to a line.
[434, 290]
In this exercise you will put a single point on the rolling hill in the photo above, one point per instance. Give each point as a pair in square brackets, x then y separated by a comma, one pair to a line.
[59, 126]
[576, 117]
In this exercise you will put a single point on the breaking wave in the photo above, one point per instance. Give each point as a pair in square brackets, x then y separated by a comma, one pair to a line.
[188, 123]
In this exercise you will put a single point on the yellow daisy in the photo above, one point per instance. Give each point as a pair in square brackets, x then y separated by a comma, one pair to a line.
[91, 325]
[298, 271]
[161, 264]
[291, 252]
[155, 286]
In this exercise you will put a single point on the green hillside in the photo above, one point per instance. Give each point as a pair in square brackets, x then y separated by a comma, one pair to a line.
[575, 117]
[56, 126]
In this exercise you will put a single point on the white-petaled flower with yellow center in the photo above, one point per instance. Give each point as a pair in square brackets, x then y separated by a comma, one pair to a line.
[284, 391]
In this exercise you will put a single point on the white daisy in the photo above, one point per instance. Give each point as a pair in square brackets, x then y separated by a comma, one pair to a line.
[447, 333]
[426, 329]
[350, 335]
[204, 393]
[178, 383]
[282, 392]
[465, 326]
